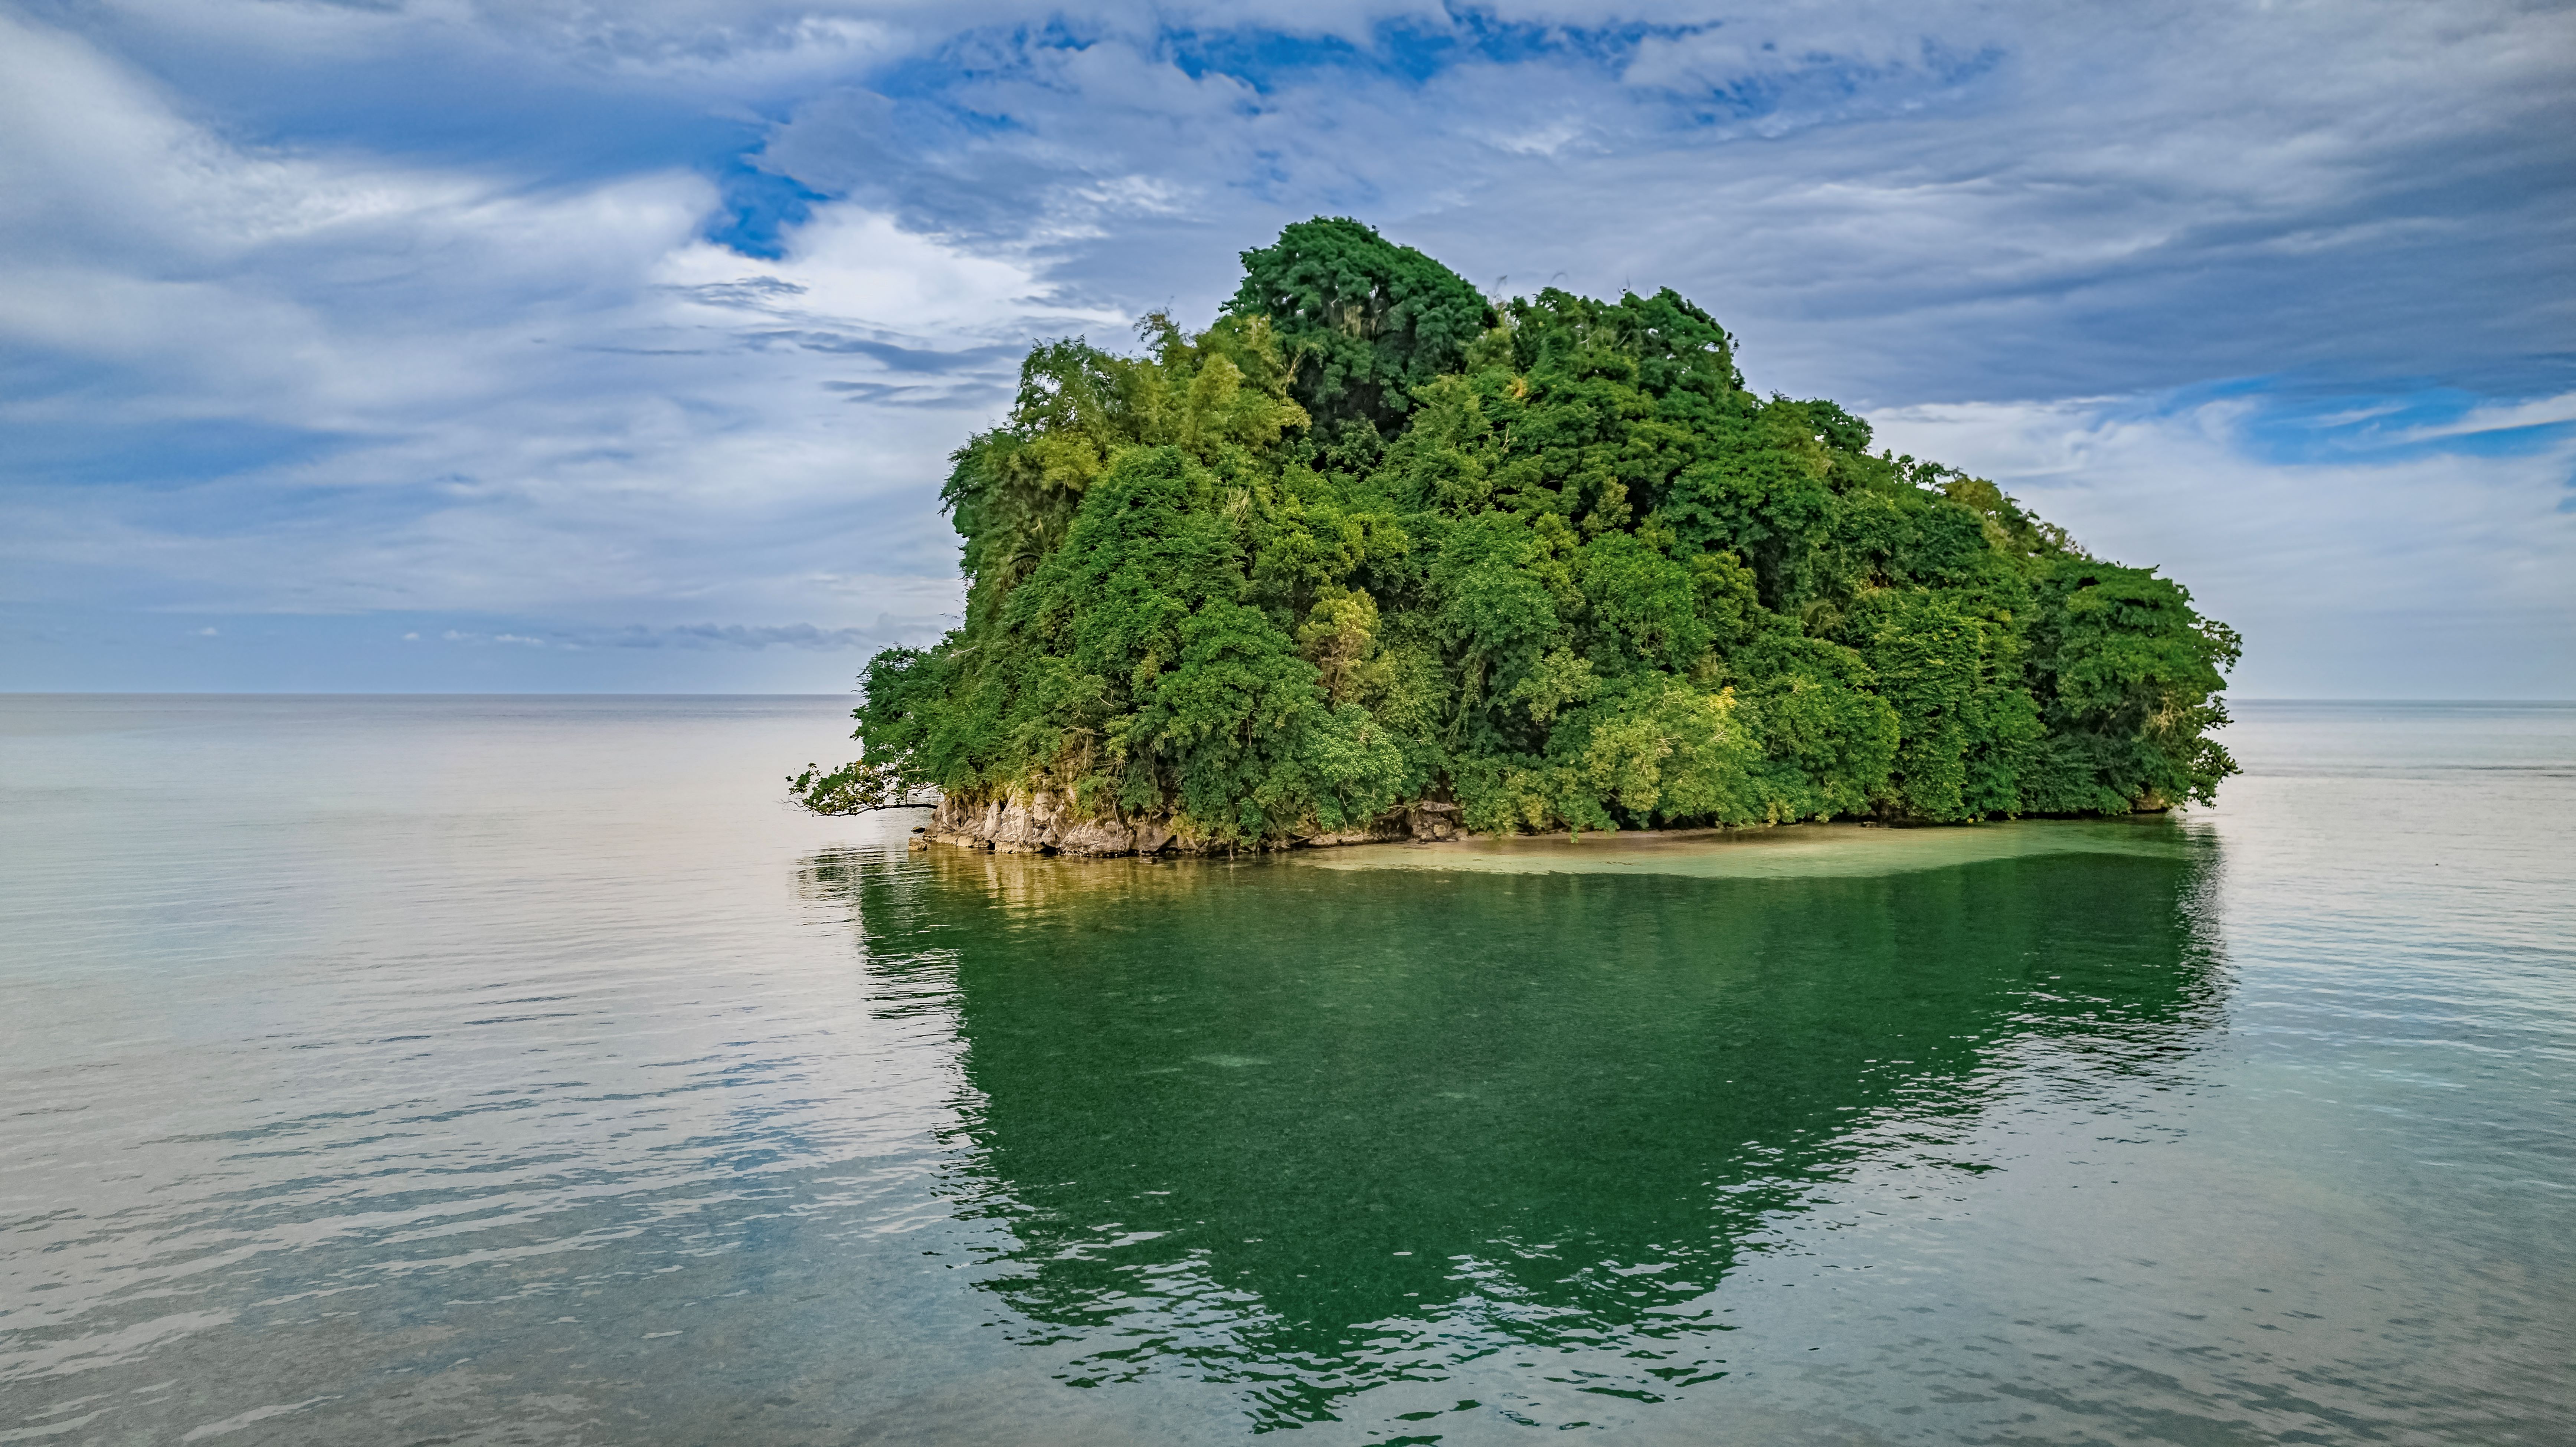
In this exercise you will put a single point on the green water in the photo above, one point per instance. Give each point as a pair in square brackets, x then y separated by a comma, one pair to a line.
[523, 1071]
[1329, 1134]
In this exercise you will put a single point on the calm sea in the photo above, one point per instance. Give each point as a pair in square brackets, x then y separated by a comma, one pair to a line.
[512, 1070]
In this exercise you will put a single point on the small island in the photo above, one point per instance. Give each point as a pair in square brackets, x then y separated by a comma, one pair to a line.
[1376, 557]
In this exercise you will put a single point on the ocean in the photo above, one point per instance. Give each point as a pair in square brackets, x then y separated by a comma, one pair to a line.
[525, 1070]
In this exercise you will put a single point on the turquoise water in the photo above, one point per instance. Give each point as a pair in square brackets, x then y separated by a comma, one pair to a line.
[519, 1070]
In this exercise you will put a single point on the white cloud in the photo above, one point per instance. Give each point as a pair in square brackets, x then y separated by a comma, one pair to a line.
[2441, 573]
[853, 266]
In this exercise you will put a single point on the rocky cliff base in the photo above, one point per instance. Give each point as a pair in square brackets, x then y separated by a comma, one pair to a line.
[1042, 822]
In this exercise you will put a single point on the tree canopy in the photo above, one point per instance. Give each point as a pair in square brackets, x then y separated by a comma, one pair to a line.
[1370, 539]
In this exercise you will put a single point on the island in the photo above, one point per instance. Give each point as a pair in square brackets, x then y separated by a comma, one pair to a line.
[1377, 557]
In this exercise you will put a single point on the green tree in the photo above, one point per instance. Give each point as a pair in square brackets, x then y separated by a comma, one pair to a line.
[1368, 540]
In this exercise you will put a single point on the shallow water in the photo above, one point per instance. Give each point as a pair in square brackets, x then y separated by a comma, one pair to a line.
[518, 1070]
[1807, 851]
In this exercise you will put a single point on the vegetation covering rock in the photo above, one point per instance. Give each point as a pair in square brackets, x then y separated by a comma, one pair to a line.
[1373, 554]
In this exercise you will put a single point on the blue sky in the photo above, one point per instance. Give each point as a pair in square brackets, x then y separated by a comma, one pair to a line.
[457, 345]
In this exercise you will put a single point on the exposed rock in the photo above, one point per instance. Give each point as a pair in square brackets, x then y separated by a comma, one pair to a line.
[1393, 827]
[1040, 821]
[1432, 820]
[1100, 836]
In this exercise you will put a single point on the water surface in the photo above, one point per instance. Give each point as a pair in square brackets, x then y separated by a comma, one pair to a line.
[518, 1070]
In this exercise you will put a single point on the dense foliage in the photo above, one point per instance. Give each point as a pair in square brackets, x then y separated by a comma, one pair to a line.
[1371, 539]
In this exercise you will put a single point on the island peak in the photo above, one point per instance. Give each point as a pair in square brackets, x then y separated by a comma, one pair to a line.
[1375, 557]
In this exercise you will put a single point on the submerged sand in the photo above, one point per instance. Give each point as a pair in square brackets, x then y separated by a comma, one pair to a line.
[1787, 851]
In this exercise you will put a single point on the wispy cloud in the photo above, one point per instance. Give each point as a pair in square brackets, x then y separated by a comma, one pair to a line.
[2499, 417]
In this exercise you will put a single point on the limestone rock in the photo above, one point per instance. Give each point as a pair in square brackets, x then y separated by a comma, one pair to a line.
[1099, 837]
[1040, 821]
[1431, 820]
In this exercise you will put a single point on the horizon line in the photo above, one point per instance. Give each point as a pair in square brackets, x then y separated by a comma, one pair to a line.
[710, 693]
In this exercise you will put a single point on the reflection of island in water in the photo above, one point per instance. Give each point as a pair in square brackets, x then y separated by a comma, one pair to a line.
[1312, 1131]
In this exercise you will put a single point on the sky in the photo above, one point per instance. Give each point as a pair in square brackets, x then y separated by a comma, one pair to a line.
[395, 346]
